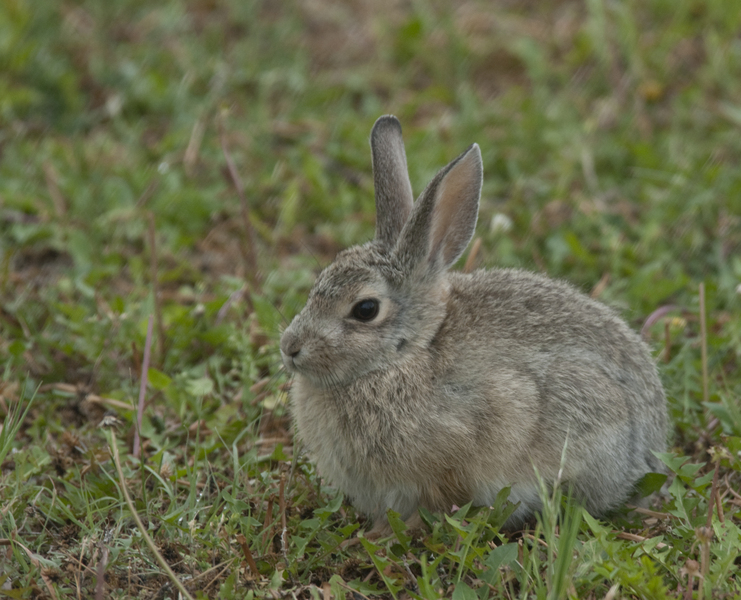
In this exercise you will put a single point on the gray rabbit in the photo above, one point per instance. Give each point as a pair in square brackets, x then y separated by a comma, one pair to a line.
[416, 386]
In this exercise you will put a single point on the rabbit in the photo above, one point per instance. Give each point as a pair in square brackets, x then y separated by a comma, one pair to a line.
[415, 386]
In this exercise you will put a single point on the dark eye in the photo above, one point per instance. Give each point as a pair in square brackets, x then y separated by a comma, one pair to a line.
[366, 310]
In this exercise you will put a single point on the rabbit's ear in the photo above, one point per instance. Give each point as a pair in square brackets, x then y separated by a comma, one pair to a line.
[444, 217]
[394, 198]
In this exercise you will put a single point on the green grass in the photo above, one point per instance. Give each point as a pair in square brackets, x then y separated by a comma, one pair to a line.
[611, 137]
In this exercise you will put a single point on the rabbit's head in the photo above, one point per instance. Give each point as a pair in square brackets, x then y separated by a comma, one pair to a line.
[378, 303]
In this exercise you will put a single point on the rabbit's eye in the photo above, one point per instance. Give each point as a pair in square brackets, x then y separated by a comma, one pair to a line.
[366, 310]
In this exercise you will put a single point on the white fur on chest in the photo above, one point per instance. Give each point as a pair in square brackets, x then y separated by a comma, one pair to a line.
[340, 459]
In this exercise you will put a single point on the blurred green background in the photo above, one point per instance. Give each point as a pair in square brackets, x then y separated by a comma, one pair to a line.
[609, 132]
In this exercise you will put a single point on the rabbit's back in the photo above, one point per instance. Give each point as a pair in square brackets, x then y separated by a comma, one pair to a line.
[527, 319]
[593, 384]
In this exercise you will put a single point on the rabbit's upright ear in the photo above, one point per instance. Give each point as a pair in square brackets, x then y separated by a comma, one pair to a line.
[444, 217]
[393, 190]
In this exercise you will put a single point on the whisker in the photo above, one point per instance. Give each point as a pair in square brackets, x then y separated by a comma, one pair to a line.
[305, 246]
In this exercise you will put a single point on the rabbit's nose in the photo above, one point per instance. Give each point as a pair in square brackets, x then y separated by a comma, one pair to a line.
[290, 346]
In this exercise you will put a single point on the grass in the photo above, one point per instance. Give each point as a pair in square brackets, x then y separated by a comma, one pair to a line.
[610, 139]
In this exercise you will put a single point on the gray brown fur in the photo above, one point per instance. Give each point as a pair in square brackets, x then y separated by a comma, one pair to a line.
[464, 383]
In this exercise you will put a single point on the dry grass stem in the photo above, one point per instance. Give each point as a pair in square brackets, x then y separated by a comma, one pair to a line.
[719, 505]
[667, 341]
[633, 537]
[78, 390]
[233, 298]
[599, 289]
[145, 535]
[147, 193]
[57, 198]
[282, 509]
[690, 585]
[353, 593]
[242, 541]
[42, 571]
[248, 247]
[100, 573]
[190, 159]
[80, 566]
[650, 513]
[713, 494]
[655, 317]
[267, 525]
[152, 230]
[143, 387]
[704, 341]
[704, 536]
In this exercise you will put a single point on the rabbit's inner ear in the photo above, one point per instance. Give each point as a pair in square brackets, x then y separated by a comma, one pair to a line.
[393, 191]
[444, 217]
[456, 207]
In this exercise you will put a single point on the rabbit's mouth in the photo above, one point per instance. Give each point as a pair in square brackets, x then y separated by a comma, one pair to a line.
[327, 373]
[294, 362]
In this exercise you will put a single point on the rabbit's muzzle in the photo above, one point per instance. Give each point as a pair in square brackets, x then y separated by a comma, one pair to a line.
[290, 349]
